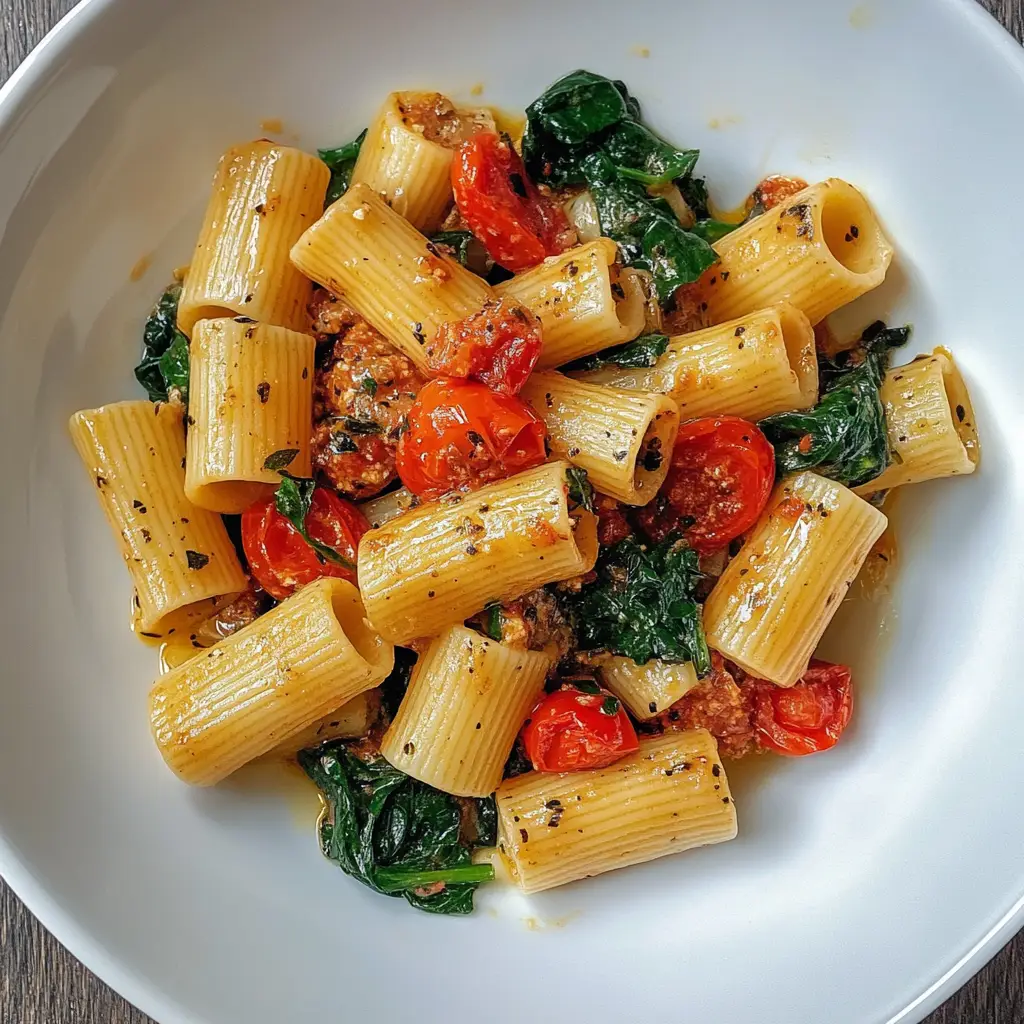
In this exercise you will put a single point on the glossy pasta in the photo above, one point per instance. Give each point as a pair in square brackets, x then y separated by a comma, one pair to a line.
[930, 421]
[442, 562]
[352, 720]
[623, 441]
[242, 697]
[264, 197]
[250, 395]
[466, 701]
[818, 250]
[181, 560]
[770, 607]
[671, 795]
[581, 303]
[754, 366]
[649, 689]
[389, 272]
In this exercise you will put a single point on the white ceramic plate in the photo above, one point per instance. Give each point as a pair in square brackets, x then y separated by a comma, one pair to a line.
[866, 884]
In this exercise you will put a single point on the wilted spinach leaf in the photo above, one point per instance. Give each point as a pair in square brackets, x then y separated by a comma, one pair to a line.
[642, 604]
[586, 129]
[340, 162]
[844, 436]
[637, 354]
[490, 621]
[712, 230]
[398, 836]
[581, 490]
[293, 499]
[164, 349]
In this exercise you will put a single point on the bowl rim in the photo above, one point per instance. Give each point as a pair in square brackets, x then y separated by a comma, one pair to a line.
[16, 96]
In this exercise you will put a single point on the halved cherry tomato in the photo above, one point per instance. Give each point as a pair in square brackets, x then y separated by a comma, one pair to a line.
[722, 473]
[807, 717]
[516, 222]
[775, 189]
[570, 730]
[499, 346]
[279, 557]
[462, 434]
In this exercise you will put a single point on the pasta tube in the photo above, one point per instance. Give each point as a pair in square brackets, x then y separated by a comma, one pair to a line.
[930, 422]
[390, 273]
[818, 250]
[581, 302]
[669, 796]
[180, 557]
[353, 719]
[250, 395]
[755, 366]
[467, 699]
[401, 162]
[624, 441]
[275, 677]
[442, 562]
[770, 607]
[264, 197]
[649, 689]
[383, 509]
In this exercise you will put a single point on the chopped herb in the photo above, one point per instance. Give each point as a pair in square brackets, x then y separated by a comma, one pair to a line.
[354, 425]
[281, 459]
[586, 686]
[581, 490]
[638, 354]
[293, 498]
[396, 835]
[610, 706]
[491, 623]
[369, 385]
[642, 604]
[340, 162]
[845, 435]
[196, 559]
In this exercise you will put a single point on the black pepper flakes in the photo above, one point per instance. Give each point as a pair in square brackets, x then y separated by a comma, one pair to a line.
[409, 748]
[263, 390]
[960, 413]
[525, 835]
[196, 559]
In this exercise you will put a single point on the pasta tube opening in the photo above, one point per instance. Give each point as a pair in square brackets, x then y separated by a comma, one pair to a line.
[655, 453]
[850, 230]
[630, 300]
[798, 337]
[961, 412]
[348, 610]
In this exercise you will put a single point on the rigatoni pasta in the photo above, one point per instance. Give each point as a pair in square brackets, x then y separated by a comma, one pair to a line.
[352, 720]
[581, 304]
[467, 698]
[390, 273]
[624, 441]
[180, 557]
[250, 396]
[754, 366]
[648, 689]
[818, 250]
[279, 675]
[770, 607]
[264, 197]
[671, 795]
[930, 420]
[442, 562]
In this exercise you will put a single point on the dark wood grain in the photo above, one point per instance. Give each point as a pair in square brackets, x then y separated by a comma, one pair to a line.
[41, 983]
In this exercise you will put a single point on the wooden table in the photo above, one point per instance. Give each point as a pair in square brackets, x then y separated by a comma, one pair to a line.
[41, 983]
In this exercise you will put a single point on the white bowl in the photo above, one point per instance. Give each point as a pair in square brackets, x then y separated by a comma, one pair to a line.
[867, 883]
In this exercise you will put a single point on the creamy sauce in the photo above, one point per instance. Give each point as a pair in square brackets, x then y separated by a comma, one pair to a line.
[285, 780]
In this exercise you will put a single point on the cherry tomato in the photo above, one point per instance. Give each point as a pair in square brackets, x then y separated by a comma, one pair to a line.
[499, 346]
[722, 473]
[807, 717]
[517, 223]
[570, 730]
[279, 557]
[775, 189]
[462, 435]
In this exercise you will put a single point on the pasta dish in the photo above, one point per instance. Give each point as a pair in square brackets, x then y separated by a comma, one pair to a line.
[498, 477]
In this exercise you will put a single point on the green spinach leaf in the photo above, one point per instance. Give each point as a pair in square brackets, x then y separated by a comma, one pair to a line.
[340, 161]
[398, 836]
[712, 230]
[159, 337]
[642, 604]
[490, 621]
[293, 499]
[637, 354]
[844, 436]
